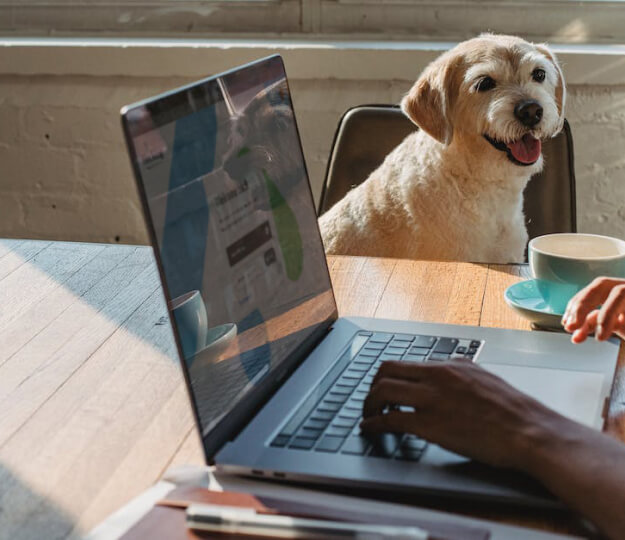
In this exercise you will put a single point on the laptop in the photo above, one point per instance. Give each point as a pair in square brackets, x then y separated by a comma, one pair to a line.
[276, 379]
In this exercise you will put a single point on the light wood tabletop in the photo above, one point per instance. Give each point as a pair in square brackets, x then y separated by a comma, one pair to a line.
[93, 407]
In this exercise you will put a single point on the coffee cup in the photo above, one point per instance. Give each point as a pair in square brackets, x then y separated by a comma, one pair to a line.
[563, 264]
[190, 315]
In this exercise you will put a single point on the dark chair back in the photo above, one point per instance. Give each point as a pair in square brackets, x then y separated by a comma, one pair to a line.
[367, 133]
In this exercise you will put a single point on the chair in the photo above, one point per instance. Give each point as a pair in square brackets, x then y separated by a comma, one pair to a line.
[367, 133]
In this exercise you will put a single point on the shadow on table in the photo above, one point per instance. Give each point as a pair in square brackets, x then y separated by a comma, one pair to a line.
[118, 282]
[24, 514]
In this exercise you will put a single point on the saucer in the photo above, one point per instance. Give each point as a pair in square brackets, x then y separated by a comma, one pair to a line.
[525, 299]
[217, 340]
[220, 335]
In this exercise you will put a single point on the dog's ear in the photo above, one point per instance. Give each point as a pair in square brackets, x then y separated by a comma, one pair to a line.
[560, 93]
[429, 101]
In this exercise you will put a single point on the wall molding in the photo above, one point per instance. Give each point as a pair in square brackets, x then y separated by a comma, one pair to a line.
[344, 60]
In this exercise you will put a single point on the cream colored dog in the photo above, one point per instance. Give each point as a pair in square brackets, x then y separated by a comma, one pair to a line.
[453, 189]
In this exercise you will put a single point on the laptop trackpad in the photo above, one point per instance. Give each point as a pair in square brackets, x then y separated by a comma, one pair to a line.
[575, 394]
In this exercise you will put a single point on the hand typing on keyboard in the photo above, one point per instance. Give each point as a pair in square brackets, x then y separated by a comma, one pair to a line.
[327, 420]
[457, 405]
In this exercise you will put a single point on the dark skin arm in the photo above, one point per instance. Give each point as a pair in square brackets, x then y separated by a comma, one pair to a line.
[492, 422]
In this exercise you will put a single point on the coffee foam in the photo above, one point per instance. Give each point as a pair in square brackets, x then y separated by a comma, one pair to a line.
[580, 246]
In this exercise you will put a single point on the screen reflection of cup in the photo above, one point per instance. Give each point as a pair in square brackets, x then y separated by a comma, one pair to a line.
[191, 320]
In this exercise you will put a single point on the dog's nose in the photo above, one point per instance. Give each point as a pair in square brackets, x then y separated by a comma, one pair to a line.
[529, 112]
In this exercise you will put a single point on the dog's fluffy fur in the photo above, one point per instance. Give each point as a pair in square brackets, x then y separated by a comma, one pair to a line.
[447, 192]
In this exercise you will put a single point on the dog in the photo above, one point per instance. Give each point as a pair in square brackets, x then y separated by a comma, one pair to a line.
[453, 189]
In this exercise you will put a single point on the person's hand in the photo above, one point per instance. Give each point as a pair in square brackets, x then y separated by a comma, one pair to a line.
[459, 406]
[584, 316]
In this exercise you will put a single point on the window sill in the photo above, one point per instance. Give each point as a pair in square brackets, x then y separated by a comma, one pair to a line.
[304, 59]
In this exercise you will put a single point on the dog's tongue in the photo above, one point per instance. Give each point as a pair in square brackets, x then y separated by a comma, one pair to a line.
[525, 150]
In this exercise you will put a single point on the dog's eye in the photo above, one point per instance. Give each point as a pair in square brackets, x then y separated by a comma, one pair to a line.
[538, 75]
[485, 84]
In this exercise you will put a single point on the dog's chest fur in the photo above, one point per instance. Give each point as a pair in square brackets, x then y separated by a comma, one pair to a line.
[423, 202]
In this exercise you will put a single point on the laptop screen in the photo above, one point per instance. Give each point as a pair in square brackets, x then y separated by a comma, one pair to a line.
[225, 185]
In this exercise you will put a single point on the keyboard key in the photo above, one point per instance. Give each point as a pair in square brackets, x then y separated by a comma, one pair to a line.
[380, 337]
[437, 357]
[371, 353]
[374, 346]
[462, 357]
[354, 405]
[342, 422]
[414, 358]
[313, 423]
[349, 413]
[335, 398]
[404, 337]
[363, 361]
[396, 350]
[424, 341]
[475, 344]
[472, 350]
[358, 368]
[302, 443]
[353, 375]
[321, 416]
[461, 350]
[329, 444]
[280, 441]
[329, 407]
[365, 333]
[395, 356]
[419, 350]
[342, 390]
[308, 433]
[446, 345]
[350, 383]
[338, 431]
[384, 445]
[356, 446]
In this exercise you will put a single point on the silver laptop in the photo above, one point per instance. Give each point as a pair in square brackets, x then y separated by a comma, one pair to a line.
[276, 379]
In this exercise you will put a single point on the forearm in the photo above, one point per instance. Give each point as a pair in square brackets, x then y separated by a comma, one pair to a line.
[584, 468]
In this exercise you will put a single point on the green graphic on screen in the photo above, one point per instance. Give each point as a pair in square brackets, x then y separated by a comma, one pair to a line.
[288, 231]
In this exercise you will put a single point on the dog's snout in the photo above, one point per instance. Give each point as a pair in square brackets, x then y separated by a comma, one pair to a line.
[529, 112]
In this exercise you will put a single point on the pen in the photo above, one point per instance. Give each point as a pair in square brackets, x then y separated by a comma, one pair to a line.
[234, 520]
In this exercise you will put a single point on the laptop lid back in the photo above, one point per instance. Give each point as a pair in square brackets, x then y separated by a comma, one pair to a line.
[225, 192]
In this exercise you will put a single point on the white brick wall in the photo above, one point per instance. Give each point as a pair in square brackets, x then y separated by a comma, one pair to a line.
[64, 173]
[598, 122]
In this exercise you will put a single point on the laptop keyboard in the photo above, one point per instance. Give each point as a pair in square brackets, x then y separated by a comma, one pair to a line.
[328, 420]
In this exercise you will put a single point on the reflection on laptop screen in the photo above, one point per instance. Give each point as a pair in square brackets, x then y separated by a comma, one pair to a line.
[224, 178]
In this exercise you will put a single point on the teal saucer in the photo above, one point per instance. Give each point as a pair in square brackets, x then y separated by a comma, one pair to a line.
[525, 299]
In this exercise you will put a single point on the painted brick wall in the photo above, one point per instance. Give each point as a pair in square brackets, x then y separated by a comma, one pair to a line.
[64, 173]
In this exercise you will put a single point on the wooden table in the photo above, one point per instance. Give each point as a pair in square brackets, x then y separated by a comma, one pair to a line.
[93, 408]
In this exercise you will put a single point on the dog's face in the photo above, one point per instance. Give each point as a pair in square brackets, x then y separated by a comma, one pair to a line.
[495, 92]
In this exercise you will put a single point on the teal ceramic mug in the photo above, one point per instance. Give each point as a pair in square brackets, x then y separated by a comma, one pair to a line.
[190, 314]
[563, 264]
